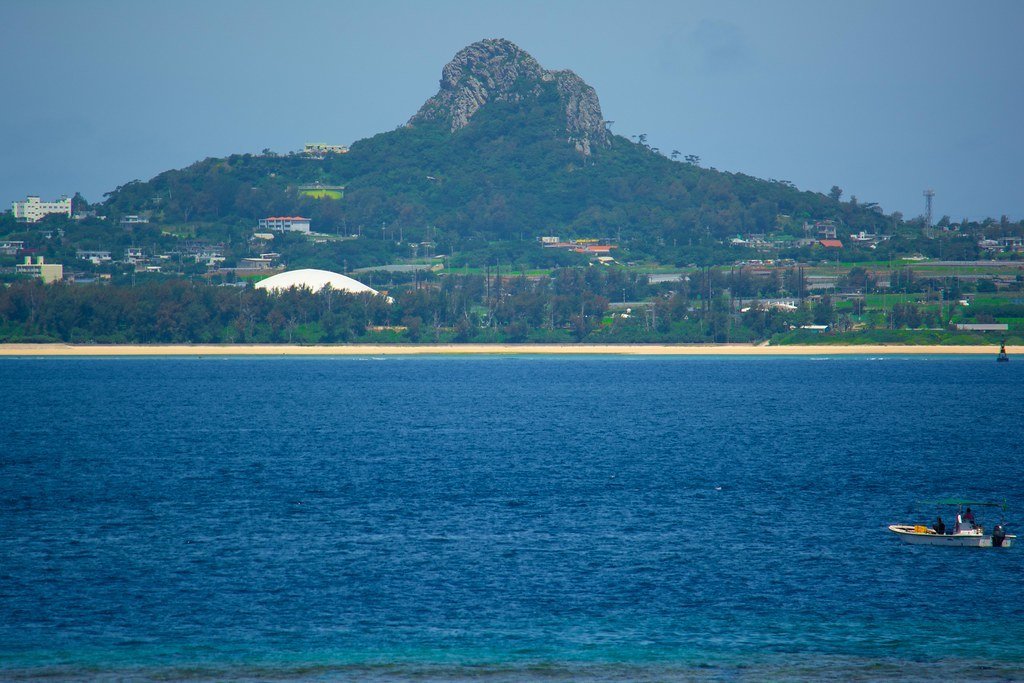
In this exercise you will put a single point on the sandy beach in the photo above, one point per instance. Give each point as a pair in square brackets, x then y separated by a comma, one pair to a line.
[14, 350]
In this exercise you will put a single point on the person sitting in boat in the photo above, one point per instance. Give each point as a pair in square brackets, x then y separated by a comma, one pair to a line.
[940, 526]
[969, 516]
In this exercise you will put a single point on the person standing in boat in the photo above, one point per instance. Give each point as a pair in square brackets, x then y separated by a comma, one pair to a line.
[940, 526]
[969, 516]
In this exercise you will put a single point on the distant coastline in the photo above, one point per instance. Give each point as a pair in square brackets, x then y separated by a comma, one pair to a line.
[83, 350]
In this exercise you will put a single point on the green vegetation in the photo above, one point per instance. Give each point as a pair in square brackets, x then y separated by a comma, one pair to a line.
[470, 206]
[902, 337]
[507, 176]
[321, 194]
[594, 305]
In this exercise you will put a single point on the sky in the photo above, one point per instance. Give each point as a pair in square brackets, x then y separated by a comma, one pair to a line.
[883, 99]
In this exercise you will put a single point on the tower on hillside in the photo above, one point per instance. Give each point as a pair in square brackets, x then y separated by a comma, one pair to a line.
[928, 194]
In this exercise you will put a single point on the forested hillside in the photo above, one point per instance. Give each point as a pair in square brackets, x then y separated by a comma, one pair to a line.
[509, 172]
[504, 176]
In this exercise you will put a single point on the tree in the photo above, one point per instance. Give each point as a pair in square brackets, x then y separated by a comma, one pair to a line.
[675, 154]
[824, 313]
[835, 193]
[79, 204]
[692, 159]
[414, 327]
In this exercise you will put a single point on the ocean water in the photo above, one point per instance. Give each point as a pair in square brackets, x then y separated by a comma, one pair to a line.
[523, 518]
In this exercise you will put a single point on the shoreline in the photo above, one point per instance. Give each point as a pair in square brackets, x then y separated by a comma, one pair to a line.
[115, 350]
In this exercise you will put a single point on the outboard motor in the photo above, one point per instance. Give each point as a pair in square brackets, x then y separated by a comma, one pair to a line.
[998, 536]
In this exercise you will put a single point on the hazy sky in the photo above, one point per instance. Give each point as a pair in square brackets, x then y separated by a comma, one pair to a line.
[884, 99]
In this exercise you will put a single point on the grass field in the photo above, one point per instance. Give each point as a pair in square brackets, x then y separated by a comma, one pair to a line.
[322, 194]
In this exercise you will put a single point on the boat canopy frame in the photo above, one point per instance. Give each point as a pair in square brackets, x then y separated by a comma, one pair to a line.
[961, 502]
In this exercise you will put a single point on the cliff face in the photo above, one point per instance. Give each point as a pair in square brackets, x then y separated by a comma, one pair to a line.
[497, 70]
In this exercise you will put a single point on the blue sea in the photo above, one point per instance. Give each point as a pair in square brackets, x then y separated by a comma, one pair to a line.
[505, 518]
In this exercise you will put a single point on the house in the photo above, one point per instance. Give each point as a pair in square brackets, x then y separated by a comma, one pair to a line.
[867, 238]
[1012, 244]
[33, 210]
[211, 258]
[95, 257]
[825, 230]
[47, 272]
[134, 255]
[594, 248]
[285, 223]
[260, 263]
[831, 244]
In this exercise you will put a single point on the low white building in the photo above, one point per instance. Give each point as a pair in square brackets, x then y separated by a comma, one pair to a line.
[33, 209]
[983, 327]
[129, 221]
[96, 257]
[253, 263]
[285, 223]
[11, 247]
[321, 149]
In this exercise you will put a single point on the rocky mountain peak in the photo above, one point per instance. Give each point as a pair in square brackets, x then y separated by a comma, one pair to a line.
[497, 70]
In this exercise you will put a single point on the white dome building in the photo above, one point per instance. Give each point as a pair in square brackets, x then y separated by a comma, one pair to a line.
[313, 280]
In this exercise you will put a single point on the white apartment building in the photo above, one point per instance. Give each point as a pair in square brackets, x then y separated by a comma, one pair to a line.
[285, 223]
[33, 209]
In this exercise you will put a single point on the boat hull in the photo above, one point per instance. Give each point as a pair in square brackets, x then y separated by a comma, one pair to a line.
[907, 534]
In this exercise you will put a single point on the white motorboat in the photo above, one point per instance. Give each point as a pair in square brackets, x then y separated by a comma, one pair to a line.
[964, 532]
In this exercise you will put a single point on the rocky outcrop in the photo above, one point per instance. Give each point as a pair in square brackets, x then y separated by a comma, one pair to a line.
[583, 119]
[497, 70]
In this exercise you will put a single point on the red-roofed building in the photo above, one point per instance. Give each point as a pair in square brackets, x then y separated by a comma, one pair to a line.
[831, 244]
[285, 223]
